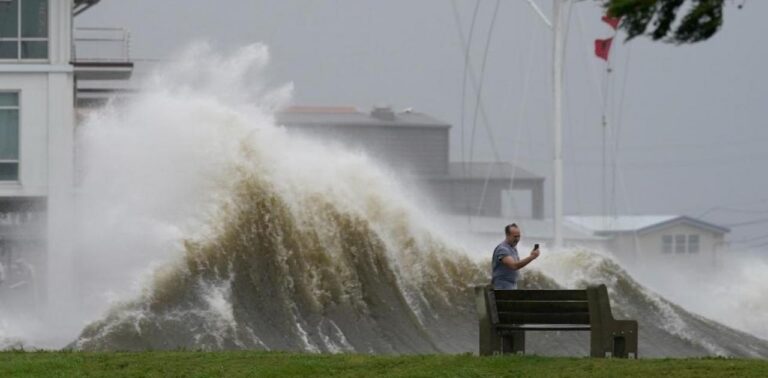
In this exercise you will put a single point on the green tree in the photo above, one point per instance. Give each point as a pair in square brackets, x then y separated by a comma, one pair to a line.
[657, 18]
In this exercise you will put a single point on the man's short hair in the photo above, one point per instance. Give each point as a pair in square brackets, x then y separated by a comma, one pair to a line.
[508, 228]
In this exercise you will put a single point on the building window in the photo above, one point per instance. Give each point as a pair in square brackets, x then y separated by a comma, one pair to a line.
[680, 243]
[9, 136]
[667, 243]
[693, 243]
[23, 29]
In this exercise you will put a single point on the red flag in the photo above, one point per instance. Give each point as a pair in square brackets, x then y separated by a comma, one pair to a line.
[613, 21]
[603, 47]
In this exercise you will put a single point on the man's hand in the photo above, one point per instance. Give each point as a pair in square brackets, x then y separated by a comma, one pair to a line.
[535, 253]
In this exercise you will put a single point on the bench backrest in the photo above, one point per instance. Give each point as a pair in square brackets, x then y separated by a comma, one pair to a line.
[538, 307]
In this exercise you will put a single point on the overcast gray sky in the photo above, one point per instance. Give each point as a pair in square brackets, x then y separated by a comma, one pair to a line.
[689, 121]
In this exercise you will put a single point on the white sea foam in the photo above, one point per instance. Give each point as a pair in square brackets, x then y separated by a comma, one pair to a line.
[734, 293]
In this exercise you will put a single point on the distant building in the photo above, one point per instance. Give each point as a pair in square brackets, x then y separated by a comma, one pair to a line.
[652, 238]
[40, 69]
[411, 141]
[478, 188]
[418, 144]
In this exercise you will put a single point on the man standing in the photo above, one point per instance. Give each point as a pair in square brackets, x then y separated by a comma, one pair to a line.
[506, 262]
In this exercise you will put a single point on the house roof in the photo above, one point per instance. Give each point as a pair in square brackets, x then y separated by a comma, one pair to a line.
[638, 223]
[349, 116]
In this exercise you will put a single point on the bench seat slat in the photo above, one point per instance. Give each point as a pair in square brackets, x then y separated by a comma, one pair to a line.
[543, 318]
[505, 328]
[524, 295]
[542, 306]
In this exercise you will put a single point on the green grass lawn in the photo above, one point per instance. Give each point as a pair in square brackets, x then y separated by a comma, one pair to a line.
[268, 364]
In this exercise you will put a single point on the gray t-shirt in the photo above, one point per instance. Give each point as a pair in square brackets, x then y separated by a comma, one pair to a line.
[500, 271]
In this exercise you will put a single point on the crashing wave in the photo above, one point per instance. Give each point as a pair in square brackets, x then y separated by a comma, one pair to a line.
[290, 244]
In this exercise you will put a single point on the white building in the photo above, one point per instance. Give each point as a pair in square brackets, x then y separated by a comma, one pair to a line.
[651, 239]
[38, 76]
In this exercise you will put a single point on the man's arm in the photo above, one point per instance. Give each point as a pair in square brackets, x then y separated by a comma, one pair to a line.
[510, 262]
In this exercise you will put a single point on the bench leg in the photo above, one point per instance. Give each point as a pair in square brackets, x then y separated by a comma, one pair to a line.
[490, 342]
[628, 329]
[620, 340]
[512, 343]
[517, 342]
[624, 337]
[619, 348]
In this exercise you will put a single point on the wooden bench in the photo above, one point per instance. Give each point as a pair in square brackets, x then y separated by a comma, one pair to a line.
[505, 315]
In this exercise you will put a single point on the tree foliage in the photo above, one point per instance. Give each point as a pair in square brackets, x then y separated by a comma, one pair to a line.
[658, 19]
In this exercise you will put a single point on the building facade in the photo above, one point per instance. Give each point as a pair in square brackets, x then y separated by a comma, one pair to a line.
[38, 75]
[36, 139]
[418, 145]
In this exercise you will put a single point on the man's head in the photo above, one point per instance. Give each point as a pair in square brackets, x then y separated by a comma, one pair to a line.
[513, 234]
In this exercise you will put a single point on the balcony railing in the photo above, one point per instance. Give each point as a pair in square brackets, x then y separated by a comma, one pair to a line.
[96, 44]
[102, 53]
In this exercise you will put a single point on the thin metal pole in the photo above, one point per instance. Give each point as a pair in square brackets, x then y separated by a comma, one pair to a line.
[559, 18]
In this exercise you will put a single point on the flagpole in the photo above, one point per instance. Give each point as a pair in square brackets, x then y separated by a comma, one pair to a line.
[560, 9]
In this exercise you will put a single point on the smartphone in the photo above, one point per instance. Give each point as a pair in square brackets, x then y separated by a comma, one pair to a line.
[536, 246]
